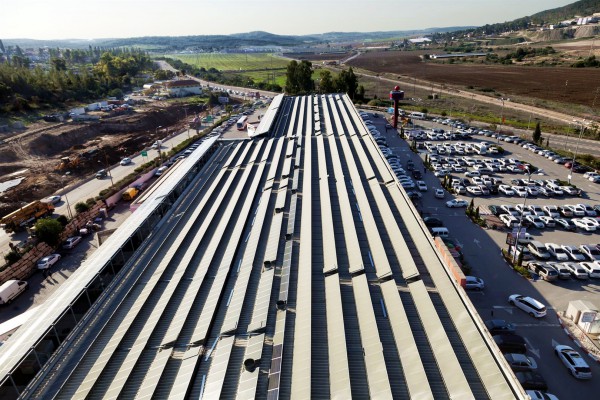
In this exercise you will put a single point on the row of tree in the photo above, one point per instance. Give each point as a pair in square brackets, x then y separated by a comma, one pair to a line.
[22, 87]
[299, 81]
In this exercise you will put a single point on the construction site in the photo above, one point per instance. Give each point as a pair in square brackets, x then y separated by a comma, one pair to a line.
[46, 156]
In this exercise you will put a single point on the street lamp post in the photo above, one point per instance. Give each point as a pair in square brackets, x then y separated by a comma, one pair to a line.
[65, 194]
[502, 99]
[159, 143]
[576, 149]
[520, 226]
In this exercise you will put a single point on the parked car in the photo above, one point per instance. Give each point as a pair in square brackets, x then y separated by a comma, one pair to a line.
[591, 251]
[543, 270]
[474, 283]
[577, 271]
[584, 224]
[557, 251]
[48, 261]
[566, 224]
[71, 242]
[496, 326]
[575, 364]
[537, 395]
[510, 343]
[528, 304]
[574, 253]
[520, 362]
[433, 222]
[531, 380]
[592, 268]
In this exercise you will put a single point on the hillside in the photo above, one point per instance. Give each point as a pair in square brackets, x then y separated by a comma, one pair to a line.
[579, 8]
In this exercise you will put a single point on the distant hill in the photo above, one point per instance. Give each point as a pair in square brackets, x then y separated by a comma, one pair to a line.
[581, 8]
[216, 42]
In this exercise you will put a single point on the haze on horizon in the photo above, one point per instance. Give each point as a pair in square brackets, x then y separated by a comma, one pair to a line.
[71, 19]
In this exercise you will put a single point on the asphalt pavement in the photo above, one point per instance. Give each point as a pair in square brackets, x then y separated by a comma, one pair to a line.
[482, 252]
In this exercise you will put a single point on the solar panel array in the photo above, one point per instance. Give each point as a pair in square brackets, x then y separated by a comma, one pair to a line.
[289, 276]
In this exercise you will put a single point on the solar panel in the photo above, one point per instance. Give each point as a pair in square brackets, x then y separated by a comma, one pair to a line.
[339, 374]
[218, 368]
[249, 376]
[377, 377]
[301, 382]
[329, 252]
[450, 369]
[412, 365]
[285, 272]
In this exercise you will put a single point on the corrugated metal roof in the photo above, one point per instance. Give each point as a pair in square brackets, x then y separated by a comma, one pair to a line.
[190, 319]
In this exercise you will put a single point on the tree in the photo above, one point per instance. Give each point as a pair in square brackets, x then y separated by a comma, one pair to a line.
[298, 78]
[48, 230]
[326, 83]
[537, 133]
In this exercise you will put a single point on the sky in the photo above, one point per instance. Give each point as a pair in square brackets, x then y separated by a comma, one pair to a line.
[93, 19]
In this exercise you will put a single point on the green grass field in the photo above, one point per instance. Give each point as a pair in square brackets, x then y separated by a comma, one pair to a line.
[233, 62]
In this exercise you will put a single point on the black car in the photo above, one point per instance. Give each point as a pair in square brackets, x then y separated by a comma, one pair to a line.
[510, 343]
[498, 326]
[101, 174]
[417, 174]
[433, 222]
[531, 380]
[496, 210]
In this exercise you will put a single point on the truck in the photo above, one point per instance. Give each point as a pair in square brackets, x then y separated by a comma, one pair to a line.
[11, 289]
[18, 219]
[130, 194]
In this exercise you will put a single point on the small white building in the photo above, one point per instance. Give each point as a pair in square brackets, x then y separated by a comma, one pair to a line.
[183, 87]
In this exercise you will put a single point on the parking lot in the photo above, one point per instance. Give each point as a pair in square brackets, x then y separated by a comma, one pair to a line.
[482, 247]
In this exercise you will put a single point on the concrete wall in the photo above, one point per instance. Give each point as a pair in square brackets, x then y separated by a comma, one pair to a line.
[449, 262]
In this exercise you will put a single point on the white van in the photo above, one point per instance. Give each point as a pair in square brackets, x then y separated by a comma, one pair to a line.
[417, 115]
[11, 289]
[441, 232]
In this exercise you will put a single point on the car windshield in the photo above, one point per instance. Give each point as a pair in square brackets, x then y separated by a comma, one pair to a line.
[583, 369]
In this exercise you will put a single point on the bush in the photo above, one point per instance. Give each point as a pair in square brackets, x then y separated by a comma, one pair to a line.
[63, 220]
[81, 207]
[12, 257]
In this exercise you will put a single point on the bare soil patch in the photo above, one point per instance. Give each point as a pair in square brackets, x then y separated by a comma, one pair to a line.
[571, 85]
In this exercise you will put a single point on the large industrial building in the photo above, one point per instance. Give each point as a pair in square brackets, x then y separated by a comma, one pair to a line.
[290, 265]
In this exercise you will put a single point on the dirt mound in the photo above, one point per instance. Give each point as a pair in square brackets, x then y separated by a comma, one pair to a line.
[40, 148]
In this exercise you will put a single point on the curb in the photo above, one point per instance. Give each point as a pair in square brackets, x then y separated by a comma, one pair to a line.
[577, 342]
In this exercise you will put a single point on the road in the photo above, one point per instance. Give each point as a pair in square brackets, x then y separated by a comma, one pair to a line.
[481, 249]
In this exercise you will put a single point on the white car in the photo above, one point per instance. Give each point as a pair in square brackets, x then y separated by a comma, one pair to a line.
[472, 173]
[126, 161]
[591, 251]
[551, 211]
[548, 221]
[71, 242]
[576, 270]
[573, 361]
[589, 210]
[422, 186]
[439, 193]
[457, 203]
[53, 199]
[535, 221]
[557, 251]
[592, 268]
[509, 220]
[160, 170]
[592, 221]
[528, 304]
[510, 209]
[506, 190]
[584, 224]
[520, 191]
[474, 190]
[576, 210]
[574, 253]
[48, 261]
[474, 283]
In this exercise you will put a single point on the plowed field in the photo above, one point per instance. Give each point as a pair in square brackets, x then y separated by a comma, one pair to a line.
[573, 85]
